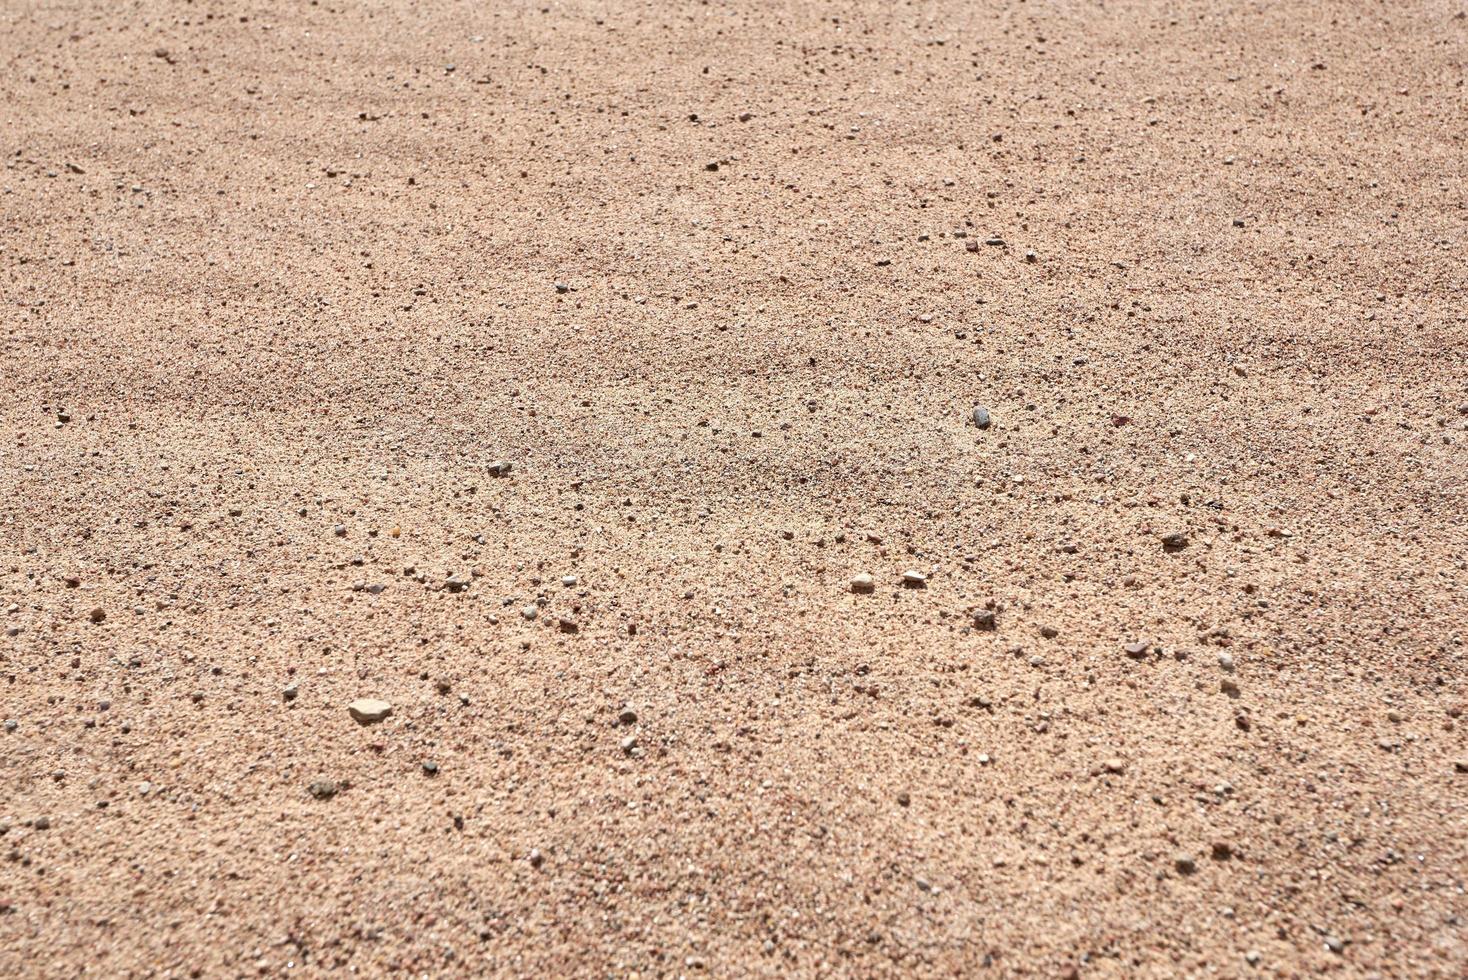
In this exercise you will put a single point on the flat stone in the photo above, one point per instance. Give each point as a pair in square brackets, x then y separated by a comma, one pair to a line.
[369, 710]
[863, 583]
[914, 579]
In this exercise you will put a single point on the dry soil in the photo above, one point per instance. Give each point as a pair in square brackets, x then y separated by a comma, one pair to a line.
[284, 285]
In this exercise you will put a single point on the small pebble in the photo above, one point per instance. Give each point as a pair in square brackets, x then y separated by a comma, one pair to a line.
[981, 417]
[369, 710]
[322, 789]
[914, 579]
[1184, 863]
[1175, 541]
[863, 583]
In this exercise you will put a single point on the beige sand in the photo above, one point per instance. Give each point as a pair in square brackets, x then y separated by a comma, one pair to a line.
[280, 286]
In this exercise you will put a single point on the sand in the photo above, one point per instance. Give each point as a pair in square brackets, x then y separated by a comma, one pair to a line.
[1181, 691]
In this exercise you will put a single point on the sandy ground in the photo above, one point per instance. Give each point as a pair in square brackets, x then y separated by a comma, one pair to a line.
[283, 284]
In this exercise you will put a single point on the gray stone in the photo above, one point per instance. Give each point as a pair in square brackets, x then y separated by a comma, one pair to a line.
[369, 710]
